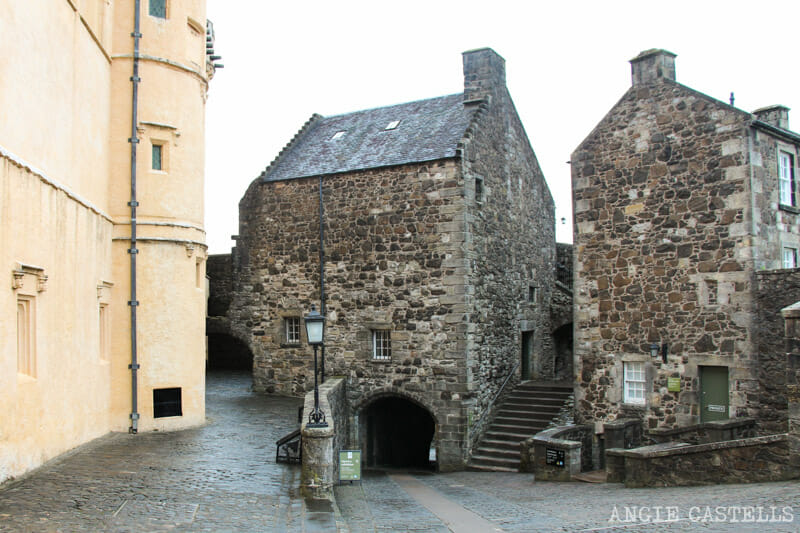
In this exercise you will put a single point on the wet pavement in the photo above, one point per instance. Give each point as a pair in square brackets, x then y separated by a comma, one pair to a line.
[223, 477]
[219, 477]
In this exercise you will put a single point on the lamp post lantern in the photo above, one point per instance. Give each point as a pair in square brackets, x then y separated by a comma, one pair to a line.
[315, 333]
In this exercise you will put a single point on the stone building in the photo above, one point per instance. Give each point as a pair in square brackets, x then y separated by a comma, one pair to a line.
[438, 269]
[68, 124]
[681, 204]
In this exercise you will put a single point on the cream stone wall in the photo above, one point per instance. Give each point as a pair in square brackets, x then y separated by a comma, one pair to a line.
[65, 222]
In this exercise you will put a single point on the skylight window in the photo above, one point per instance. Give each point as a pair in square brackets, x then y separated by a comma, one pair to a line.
[392, 125]
[338, 135]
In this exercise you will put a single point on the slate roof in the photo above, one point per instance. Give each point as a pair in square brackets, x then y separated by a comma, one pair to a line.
[428, 130]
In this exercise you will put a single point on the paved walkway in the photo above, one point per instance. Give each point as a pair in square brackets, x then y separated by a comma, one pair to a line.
[223, 477]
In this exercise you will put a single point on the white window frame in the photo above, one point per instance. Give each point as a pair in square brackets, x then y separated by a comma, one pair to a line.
[789, 259]
[788, 187]
[291, 328]
[635, 382]
[381, 345]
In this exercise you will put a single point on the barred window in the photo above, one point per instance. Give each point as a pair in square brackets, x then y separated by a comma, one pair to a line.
[292, 327]
[634, 382]
[381, 345]
[158, 8]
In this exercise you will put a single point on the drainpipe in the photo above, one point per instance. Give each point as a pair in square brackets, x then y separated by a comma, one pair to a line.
[133, 251]
[322, 269]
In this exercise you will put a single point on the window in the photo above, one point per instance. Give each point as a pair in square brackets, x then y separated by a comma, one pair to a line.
[158, 8]
[381, 345]
[26, 354]
[634, 382]
[338, 135]
[158, 156]
[790, 258]
[478, 189]
[292, 328]
[392, 125]
[104, 332]
[786, 179]
[167, 402]
[533, 294]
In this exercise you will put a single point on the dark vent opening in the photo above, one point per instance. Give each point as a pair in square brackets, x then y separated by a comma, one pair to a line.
[167, 402]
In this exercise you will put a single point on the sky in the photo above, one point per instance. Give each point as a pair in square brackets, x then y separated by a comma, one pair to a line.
[566, 66]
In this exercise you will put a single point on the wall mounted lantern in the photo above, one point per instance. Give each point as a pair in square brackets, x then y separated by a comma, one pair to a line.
[655, 350]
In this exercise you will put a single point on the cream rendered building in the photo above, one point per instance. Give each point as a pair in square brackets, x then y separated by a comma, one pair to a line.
[66, 112]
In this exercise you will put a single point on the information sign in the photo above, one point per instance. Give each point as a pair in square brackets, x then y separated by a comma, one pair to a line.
[349, 465]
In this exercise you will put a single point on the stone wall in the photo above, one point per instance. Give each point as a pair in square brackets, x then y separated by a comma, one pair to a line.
[775, 289]
[754, 460]
[218, 270]
[661, 196]
[320, 457]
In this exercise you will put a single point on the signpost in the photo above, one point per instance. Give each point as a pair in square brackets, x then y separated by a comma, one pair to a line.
[349, 465]
[554, 457]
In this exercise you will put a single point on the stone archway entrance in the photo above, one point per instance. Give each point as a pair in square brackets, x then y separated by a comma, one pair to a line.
[226, 352]
[397, 433]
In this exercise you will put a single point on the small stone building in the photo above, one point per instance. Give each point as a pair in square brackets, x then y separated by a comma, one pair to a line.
[681, 203]
[439, 255]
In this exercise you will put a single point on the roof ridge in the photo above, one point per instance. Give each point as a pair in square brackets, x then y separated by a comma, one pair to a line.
[314, 119]
[393, 105]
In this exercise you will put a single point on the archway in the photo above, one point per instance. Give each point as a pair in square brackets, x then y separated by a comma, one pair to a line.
[226, 352]
[398, 433]
[562, 343]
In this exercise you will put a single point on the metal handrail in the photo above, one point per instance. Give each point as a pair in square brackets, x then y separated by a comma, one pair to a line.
[499, 392]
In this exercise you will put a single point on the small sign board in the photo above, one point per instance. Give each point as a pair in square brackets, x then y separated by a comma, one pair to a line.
[349, 465]
[554, 457]
[674, 384]
[716, 408]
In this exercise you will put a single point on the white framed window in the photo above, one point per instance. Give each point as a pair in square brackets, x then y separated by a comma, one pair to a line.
[786, 179]
[292, 329]
[381, 345]
[634, 387]
[789, 257]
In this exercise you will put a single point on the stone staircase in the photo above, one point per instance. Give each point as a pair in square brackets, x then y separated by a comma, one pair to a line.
[527, 410]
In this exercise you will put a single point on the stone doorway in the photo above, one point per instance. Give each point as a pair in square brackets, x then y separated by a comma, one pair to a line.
[226, 352]
[397, 433]
[526, 355]
[562, 344]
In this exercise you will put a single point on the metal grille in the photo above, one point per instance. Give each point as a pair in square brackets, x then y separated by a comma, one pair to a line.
[158, 8]
[381, 345]
[292, 330]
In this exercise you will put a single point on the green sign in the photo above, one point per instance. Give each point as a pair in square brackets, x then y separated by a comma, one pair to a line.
[349, 465]
[674, 384]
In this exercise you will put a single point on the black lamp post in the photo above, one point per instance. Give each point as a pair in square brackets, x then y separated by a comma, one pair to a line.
[315, 333]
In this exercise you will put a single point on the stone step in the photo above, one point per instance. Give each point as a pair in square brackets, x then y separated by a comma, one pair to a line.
[503, 444]
[475, 467]
[497, 453]
[533, 397]
[533, 410]
[527, 422]
[510, 436]
[486, 460]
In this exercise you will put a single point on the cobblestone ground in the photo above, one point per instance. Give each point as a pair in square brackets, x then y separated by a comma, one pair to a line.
[223, 477]
[516, 504]
[220, 477]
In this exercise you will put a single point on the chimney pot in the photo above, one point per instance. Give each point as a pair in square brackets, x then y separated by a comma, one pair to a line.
[652, 65]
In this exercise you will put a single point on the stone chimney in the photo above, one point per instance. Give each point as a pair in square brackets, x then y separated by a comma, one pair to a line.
[652, 65]
[774, 115]
[484, 73]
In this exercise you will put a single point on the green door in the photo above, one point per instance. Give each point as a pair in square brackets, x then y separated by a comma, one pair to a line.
[713, 393]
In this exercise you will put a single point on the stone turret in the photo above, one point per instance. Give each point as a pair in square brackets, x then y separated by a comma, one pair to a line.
[652, 65]
[484, 73]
